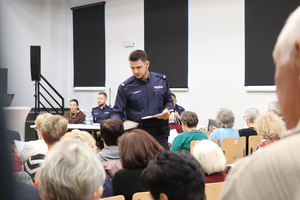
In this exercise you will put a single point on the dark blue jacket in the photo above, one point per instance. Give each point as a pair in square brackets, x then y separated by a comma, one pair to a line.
[137, 98]
[100, 115]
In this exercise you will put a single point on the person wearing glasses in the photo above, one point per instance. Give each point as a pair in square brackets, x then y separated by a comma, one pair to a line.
[36, 146]
[251, 115]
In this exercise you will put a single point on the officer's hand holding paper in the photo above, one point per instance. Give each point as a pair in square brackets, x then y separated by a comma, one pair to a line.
[164, 115]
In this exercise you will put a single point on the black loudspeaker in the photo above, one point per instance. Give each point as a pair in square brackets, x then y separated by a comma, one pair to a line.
[35, 62]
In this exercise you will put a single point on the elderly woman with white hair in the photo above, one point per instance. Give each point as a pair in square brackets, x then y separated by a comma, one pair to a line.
[225, 122]
[270, 127]
[71, 171]
[212, 160]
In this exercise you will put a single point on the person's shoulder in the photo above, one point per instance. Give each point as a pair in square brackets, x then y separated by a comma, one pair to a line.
[158, 75]
[95, 108]
[179, 107]
[127, 81]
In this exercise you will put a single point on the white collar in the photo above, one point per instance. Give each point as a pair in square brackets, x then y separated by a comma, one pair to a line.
[296, 129]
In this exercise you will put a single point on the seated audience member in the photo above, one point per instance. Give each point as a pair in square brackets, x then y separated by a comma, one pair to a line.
[137, 147]
[212, 160]
[88, 139]
[71, 171]
[74, 115]
[250, 116]
[225, 122]
[111, 130]
[175, 116]
[174, 176]
[52, 128]
[275, 108]
[38, 146]
[270, 127]
[189, 123]
[274, 172]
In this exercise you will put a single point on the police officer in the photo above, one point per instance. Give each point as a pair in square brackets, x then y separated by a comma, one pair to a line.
[102, 111]
[177, 108]
[145, 94]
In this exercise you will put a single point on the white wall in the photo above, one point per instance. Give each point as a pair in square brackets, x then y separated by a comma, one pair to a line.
[216, 52]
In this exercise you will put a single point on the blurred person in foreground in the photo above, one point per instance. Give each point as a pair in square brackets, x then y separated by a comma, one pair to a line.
[274, 172]
[174, 175]
[71, 171]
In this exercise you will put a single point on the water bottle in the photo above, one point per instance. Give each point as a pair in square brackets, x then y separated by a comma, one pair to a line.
[88, 119]
[91, 119]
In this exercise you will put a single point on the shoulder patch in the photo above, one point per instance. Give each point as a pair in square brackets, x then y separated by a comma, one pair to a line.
[129, 80]
[160, 75]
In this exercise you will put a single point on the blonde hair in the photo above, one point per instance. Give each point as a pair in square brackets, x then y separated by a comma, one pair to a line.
[53, 127]
[83, 136]
[40, 118]
[210, 156]
[269, 125]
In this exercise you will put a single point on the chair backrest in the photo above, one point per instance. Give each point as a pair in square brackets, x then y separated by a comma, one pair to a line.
[141, 196]
[37, 177]
[233, 148]
[213, 190]
[118, 197]
[194, 142]
[207, 133]
[253, 141]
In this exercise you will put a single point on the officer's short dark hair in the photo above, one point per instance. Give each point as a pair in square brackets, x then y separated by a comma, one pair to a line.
[137, 147]
[102, 93]
[138, 55]
[177, 174]
[111, 130]
[190, 118]
[173, 95]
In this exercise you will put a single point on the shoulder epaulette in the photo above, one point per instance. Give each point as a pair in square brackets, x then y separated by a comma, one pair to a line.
[160, 75]
[129, 80]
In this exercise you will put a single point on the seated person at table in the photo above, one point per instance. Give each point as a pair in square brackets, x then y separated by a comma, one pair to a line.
[250, 116]
[88, 139]
[102, 111]
[189, 123]
[212, 160]
[38, 146]
[174, 176]
[52, 128]
[74, 115]
[270, 127]
[137, 147]
[111, 130]
[225, 122]
[71, 171]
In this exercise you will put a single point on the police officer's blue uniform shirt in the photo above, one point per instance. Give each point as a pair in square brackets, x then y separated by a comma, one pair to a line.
[100, 115]
[137, 98]
[179, 109]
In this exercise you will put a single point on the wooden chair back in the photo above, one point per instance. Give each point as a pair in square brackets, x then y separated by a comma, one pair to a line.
[37, 177]
[213, 190]
[233, 148]
[141, 196]
[118, 197]
[194, 142]
[253, 141]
